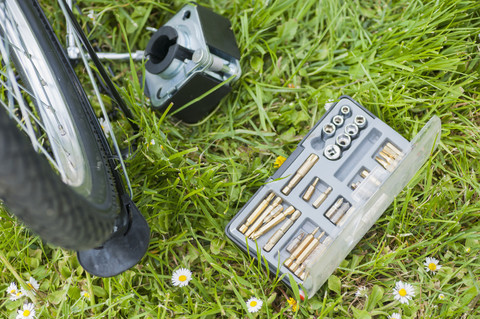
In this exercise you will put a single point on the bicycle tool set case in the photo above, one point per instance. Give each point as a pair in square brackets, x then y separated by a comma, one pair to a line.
[329, 192]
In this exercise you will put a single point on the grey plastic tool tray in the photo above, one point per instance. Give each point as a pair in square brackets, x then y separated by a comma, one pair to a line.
[371, 196]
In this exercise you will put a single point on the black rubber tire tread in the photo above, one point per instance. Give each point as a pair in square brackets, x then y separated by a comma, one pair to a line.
[36, 195]
[28, 185]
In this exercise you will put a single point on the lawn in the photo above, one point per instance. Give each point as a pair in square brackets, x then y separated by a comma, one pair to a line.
[405, 61]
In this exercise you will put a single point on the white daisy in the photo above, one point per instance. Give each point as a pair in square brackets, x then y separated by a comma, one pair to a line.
[27, 312]
[181, 277]
[32, 286]
[441, 296]
[431, 264]
[395, 315]
[361, 292]
[254, 304]
[403, 292]
[14, 292]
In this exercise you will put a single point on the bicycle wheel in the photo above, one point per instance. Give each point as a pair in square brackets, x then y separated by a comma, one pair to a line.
[70, 199]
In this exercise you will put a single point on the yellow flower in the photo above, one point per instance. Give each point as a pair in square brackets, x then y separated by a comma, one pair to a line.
[279, 161]
[293, 303]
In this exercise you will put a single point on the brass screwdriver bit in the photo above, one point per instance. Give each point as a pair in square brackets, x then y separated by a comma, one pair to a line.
[340, 212]
[308, 250]
[300, 272]
[254, 215]
[393, 148]
[309, 192]
[364, 173]
[274, 222]
[344, 217]
[386, 157]
[381, 162]
[322, 197]
[305, 242]
[333, 209]
[281, 231]
[295, 242]
[259, 221]
[300, 173]
[274, 213]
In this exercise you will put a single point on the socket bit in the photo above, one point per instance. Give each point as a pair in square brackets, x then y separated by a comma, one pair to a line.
[345, 111]
[332, 152]
[351, 130]
[340, 212]
[254, 215]
[281, 231]
[274, 222]
[295, 242]
[383, 163]
[260, 219]
[337, 120]
[308, 250]
[360, 121]
[344, 141]
[334, 208]
[328, 131]
[305, 242]
[309, 192]
[301, 172]
[322, 197]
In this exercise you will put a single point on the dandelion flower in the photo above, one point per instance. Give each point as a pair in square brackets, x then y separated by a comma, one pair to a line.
[293, 303]
[254, 304]
[279, 161]
[441, 296]
[181, 277]
[431, 264]
[395, 315]
[403, 292]
[32, 285]
[14, 292]
[361, 292]
[85, 294]
[27, 312]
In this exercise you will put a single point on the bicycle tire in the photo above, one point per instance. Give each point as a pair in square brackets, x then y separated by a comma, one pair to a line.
[75, 217]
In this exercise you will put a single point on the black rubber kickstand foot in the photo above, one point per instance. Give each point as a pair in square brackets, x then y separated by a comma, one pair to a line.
[120, 252]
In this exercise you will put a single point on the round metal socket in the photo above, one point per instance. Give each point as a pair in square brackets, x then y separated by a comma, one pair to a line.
[345, 111]
[351, 130]
[360, 121]
[332, 152]
[337, 120]
[328, 130]
[343, 140]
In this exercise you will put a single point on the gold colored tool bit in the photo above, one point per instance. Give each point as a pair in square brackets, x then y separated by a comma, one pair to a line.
[333, 209]
[344, 217]
[394, 149]
[309, 192]
[305, 242]
[295, 242]
[381, 162]
[364, 173]
[300, 272]
[274, 222]
[274, 213]
[254, 215]
[387, 156]
[259, 221]
[301, 172]
[340, 212]
[281, 231]
[308, 250]
[355, 185]
[322, 197]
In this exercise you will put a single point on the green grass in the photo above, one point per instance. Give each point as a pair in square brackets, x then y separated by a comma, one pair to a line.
[403, 60]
